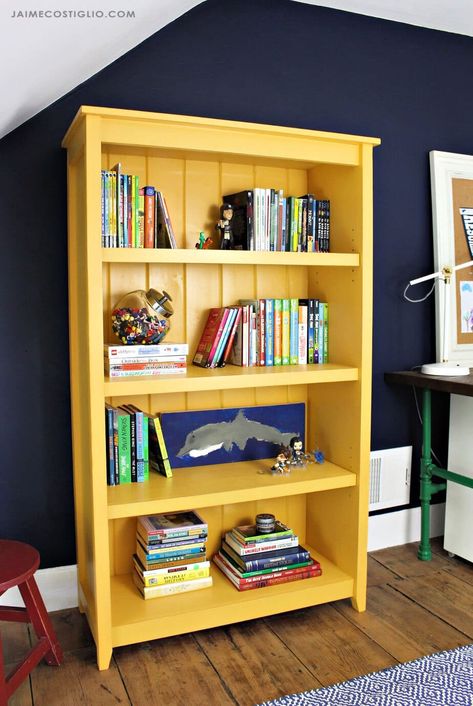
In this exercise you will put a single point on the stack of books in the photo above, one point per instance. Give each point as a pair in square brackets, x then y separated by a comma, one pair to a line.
[266, 219]
[135, 443]
[133, 216]
[252, 560]
[135, 360]
[171, 554]
[266, 332]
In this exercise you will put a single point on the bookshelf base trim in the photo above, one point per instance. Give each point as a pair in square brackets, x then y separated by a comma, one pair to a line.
[136, 620]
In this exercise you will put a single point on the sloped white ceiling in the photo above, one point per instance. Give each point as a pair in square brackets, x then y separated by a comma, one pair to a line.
[44, 57]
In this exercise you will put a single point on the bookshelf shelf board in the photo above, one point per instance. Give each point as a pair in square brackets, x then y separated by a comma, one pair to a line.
[230, 377]
[206, 486]
[225, 257]
[134, 619]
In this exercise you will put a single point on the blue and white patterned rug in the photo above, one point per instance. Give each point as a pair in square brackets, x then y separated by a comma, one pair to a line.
[442, 679]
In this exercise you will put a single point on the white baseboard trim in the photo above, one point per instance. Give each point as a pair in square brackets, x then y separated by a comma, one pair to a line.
[402, 527]
[58, 586]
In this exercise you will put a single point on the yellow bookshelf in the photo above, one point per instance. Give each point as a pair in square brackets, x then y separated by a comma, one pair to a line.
[194, 162]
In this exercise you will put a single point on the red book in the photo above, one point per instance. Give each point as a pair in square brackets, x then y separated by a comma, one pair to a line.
[231, 338]
[209, 339]
[218, 337]
[149, 216]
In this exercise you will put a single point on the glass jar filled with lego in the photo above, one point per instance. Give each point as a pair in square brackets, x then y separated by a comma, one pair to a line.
[142, 317]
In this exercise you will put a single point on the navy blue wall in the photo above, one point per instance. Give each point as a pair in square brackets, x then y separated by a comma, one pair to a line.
[269, 61]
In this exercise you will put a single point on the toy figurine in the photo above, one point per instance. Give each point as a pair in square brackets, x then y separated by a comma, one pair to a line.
[297, 452]
[201, 242]
[281, 465]
[225, 227]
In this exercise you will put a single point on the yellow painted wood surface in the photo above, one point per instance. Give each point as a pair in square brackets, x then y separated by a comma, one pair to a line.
[134, 619]
[195, 162]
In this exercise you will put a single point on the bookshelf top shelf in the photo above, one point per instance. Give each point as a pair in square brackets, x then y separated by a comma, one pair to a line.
[206, 486]
[230, 377]
[228, 257]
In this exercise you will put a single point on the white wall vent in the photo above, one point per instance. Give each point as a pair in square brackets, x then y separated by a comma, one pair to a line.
[390, 477]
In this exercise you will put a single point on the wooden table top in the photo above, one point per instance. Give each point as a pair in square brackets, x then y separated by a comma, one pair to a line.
[457, 385]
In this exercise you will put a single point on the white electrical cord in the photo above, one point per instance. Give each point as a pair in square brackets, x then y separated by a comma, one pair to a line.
[416, 301]
[414, 390]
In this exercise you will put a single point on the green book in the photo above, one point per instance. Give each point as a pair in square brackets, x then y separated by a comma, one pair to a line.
[124, 446]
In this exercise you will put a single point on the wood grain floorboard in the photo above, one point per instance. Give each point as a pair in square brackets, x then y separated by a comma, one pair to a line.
[78, 682]
[172, 671]
[255, 663]
[414, 608]
[400, 626]
[444, 595]
[331, 647]
[16, 644]
[403, 560]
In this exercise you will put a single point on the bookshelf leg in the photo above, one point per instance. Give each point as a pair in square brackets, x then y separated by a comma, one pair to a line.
[359, 603]
[104, 656]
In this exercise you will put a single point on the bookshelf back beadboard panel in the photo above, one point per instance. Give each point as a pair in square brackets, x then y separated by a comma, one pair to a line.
[291, 511]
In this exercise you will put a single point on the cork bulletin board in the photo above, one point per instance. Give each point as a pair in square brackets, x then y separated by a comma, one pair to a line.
[452, 215]
[462, 196]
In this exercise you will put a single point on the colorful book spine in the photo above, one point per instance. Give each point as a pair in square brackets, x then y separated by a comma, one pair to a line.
[152, 350]
[231, 315]
[109, 434]
[124, 450]
[318, 357]
[158, 453]
[293, 555]
[207, 343]
[149, 216]
[302, 339]
[285, 332]
[231, 338]
[277, 327]
[269, 332]
[253, 549]
[171, 589]
[294, 331]
[310, 330]
[261, 331]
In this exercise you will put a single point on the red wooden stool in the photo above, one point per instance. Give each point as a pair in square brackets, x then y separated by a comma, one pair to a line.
[18, 563]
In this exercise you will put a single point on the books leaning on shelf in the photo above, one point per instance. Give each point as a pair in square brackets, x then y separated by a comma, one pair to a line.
[133, 216]
[217, 338]
[171, 554]
[251, 560]
[266, 219]
[136, 361]
[265, 332]
[135, 444]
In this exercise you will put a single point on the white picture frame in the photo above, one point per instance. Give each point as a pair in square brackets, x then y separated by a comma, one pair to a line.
[452, 183]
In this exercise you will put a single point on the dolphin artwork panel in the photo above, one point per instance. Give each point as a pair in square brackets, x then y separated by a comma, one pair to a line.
[204, 437]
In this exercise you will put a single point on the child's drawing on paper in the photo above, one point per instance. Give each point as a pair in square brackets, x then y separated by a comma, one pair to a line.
[466, 303]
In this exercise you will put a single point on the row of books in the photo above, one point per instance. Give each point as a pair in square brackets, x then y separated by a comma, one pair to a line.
[252, 560]
[138, 360]
[265, 332]
[133, 216]
[134, 445]
[171, 554]
[265, 219]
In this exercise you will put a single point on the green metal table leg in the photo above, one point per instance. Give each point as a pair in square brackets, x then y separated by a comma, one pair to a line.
[424, 551]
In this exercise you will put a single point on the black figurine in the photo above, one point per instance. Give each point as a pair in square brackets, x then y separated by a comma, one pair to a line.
[297, 452]
[225, 227]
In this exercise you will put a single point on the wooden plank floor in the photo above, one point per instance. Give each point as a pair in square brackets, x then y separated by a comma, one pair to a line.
[414, 608]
